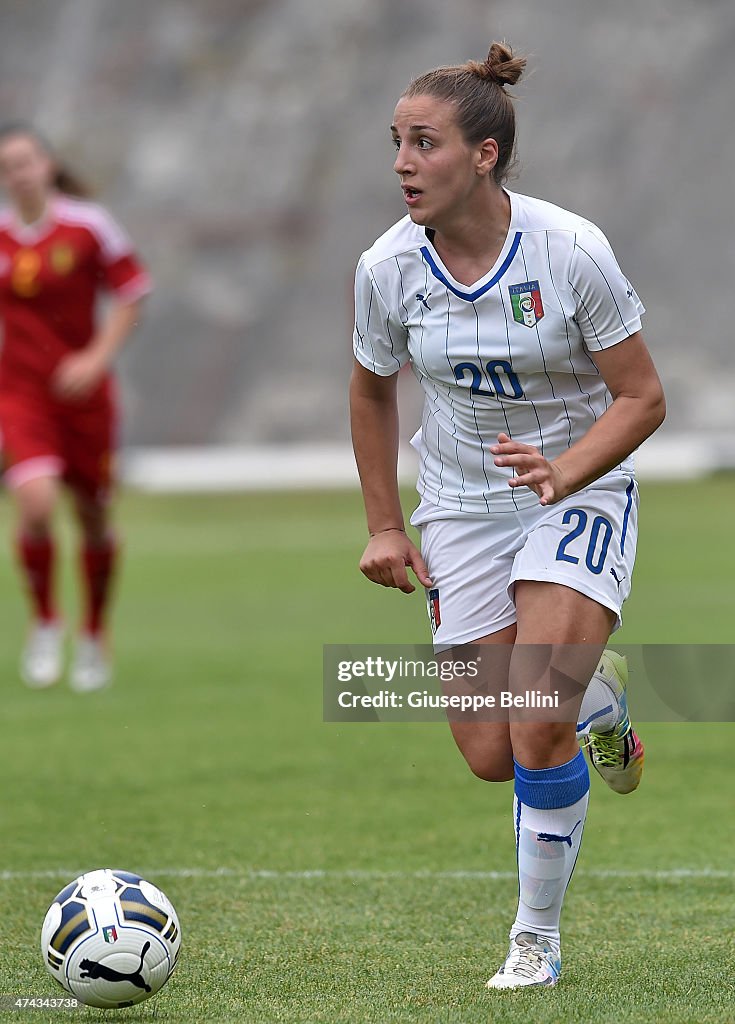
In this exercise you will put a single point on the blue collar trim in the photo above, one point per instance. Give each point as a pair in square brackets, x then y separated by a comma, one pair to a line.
[471, 296]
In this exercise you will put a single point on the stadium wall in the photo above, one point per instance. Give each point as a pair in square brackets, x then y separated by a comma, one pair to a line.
[673, 456]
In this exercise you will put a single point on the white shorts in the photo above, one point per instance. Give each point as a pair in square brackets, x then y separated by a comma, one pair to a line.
[586, 542]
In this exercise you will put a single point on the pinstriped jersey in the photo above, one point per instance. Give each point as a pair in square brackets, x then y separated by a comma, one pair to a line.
[509, 353]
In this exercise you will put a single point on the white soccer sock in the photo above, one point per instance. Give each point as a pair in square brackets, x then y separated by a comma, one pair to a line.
[547, 843]
[599, 709]
[545, 865]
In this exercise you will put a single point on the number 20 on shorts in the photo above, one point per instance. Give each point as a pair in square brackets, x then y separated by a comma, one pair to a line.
[598, 541]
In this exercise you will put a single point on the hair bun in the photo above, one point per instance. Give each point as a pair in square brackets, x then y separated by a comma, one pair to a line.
[500, 66]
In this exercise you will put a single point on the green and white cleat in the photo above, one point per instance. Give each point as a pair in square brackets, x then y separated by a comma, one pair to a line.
[531, 960]
[616, 755]
[42, 658]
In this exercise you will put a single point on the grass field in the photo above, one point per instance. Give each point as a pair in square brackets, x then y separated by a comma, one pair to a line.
[352, 873]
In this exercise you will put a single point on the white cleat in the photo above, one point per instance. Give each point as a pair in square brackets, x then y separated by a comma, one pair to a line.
[91, 668]
[617, 755]
[42, 659]
[531, 960]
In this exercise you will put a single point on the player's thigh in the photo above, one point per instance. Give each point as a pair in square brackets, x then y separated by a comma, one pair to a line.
[32, 458]
[89, 443]
[31, 443]
[569, 581]
[561, 635]
[556, 614]
[469, 561]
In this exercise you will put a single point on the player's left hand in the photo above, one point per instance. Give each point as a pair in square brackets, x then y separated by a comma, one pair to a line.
[78, 374]
[531, 469]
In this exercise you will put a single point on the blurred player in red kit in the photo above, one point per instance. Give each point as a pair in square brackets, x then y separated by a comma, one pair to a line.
[58, 415]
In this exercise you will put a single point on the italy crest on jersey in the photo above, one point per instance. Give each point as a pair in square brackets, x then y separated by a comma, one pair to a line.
[526, 302]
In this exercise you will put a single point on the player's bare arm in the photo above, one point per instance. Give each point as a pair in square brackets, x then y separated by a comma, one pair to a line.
[374, 419]
[637, 410]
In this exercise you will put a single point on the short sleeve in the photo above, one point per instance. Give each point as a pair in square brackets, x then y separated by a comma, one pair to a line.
[607, 308]
[120, 269]
[127, 278]
[380, 339]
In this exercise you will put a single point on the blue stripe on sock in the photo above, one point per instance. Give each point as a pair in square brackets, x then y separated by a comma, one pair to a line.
[548, 788]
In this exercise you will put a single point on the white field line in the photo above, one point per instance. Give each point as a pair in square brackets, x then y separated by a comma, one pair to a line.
[246, 875]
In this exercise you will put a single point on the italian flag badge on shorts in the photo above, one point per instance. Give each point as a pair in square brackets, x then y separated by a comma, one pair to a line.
[434, 614]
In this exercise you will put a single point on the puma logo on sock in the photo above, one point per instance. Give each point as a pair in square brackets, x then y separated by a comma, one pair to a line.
[549, 837]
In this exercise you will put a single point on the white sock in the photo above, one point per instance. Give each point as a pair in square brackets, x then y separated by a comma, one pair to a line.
[548, 837]
[599, 709]
[545, 865]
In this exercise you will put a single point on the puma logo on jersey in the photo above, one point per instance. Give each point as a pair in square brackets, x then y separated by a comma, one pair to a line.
[420, 297]
[91, 969]
[618, 579]
[550, 837]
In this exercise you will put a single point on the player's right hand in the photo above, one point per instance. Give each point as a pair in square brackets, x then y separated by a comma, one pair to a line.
[386, 558]
[78, 374]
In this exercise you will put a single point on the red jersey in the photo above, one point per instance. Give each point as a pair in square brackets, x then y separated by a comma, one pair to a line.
[51, 274]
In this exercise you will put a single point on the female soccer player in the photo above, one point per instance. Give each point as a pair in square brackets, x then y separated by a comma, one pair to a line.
[58, 254]
[526, 339]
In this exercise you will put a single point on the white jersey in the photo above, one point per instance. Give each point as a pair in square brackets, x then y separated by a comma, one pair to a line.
[509, 353]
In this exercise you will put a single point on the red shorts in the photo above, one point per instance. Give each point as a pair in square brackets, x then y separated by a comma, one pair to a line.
[43, 437]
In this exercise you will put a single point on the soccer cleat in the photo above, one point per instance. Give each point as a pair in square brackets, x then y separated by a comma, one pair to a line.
[616, 755]
[531, 960]
[91, 669]
[41, 660]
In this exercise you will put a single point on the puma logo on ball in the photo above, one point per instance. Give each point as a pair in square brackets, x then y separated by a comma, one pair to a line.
[91, 969]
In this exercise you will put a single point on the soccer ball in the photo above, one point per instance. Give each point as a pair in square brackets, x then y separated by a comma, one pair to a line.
[111, 938]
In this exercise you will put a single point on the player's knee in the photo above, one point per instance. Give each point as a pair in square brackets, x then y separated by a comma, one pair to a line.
[489, 769]
[93, 519]
[35, 520]
[36, 500]
[95, 530]
[35, 527]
